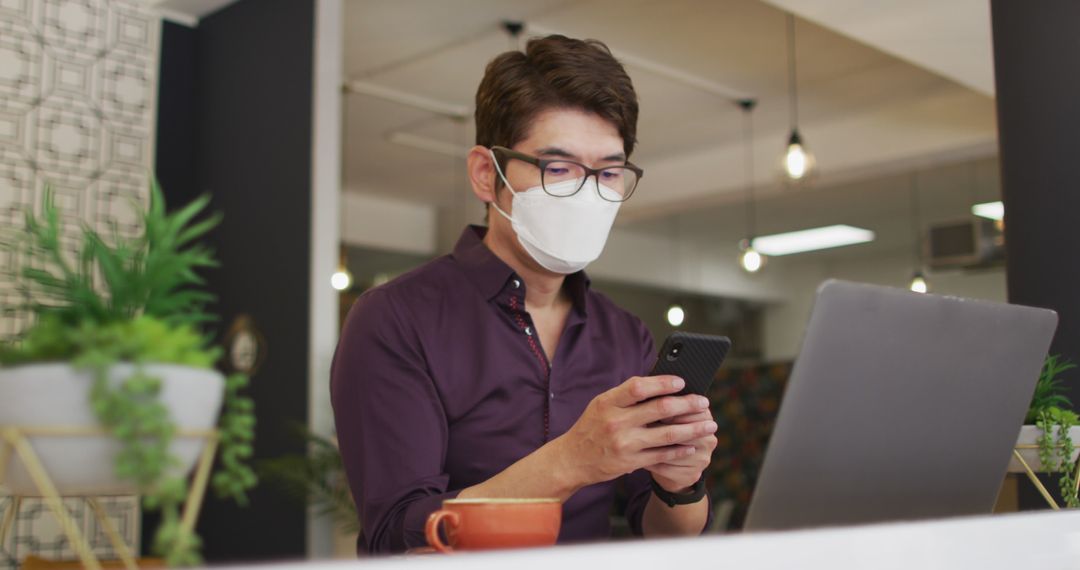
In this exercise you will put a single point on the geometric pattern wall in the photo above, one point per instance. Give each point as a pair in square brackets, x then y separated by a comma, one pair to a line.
[78, 90]
[78, 85]
[36, 531]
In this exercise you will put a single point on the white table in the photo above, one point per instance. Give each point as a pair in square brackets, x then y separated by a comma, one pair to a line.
[1023, 541]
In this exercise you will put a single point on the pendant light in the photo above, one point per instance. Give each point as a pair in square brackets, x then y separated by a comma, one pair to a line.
[750, 259]
[918, 279]
[797, 163]
[676, 315]
[513, 29]
[342, 279]
[919, 284]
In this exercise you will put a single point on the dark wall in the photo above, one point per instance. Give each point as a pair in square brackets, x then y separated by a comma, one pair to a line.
[174, 163]
[1036, 55]
[235, 121]
[177, 128]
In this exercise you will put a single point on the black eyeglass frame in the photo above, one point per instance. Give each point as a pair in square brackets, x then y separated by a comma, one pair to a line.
[542, 164]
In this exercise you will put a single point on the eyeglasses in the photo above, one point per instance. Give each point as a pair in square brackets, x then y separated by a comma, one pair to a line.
[563, 178]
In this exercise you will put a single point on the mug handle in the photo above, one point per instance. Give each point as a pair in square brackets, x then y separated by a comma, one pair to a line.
[431, 529]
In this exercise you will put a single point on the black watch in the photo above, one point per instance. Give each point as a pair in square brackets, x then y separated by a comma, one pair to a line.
[697, 492]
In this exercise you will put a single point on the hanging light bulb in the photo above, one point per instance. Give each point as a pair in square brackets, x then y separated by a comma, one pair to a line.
[797, 161]
[918, 283]
[341, 279]
[750, 259]
[675, 315]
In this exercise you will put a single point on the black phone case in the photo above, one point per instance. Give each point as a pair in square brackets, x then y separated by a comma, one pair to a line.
[700, 356]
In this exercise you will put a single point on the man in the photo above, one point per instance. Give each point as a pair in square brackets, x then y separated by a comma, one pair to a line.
[495, 371]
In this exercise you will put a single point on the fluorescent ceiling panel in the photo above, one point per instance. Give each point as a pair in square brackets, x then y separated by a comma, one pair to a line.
[991, 210]
[812, 240]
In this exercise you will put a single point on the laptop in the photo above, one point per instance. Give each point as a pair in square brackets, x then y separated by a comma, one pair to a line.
[900, 406]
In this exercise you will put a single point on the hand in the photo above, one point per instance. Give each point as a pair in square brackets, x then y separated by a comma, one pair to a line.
[677, 476]
[615, 435]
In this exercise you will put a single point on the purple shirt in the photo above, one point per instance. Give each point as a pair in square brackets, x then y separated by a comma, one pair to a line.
[439, 383]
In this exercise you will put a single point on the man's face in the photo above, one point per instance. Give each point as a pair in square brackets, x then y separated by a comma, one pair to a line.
[571, 134]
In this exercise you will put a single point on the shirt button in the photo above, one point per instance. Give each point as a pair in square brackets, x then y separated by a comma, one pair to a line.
[552, 394]
[528, 331]
[516, 283]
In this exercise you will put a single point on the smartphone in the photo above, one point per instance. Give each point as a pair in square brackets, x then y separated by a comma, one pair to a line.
[693, 357]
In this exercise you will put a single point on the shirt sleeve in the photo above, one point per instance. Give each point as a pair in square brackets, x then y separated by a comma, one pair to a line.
[638, 484]
[390, 424]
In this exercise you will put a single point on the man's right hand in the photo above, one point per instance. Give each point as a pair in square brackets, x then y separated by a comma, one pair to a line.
[615, 435]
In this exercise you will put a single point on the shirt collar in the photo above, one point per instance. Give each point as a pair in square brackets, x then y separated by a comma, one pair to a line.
[492, 276]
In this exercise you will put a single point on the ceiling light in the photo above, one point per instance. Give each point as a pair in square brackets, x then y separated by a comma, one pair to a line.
[918, 283]
[341, 279]
[811, 240]
[797, 162]
[990, 210]
[751, 260]
[675, 315]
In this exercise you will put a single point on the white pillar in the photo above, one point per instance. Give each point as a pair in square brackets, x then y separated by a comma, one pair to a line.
[325, 236]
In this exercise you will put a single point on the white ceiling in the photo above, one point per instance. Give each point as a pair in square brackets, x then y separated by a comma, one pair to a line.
[951, 38]
[866, 113]
[885, 88]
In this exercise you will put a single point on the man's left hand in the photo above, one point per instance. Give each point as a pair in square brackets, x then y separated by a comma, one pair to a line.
[679, 475]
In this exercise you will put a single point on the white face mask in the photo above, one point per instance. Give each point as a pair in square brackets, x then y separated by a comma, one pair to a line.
[563, 235]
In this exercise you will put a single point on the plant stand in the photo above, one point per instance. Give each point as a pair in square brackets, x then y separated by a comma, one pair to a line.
[1035, 479]
[14, 439]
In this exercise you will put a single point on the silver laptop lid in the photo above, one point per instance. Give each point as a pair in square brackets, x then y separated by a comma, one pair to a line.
[900, 406]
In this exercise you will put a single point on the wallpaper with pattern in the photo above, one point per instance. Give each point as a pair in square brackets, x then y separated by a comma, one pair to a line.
[77, 110]
[78, 85]
[745, 402]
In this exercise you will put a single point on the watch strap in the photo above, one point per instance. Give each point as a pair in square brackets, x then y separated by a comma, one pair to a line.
[697, 492]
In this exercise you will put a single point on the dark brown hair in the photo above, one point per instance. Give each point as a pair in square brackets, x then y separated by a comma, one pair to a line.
[553, 72]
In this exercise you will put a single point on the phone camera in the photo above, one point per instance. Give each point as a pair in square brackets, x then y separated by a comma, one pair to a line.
[673, 354]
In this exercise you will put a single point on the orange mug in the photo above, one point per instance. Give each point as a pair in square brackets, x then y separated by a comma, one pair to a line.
[482, 524]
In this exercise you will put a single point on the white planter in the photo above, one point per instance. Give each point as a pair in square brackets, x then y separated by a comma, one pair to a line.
[57, 395]
[1028, 436]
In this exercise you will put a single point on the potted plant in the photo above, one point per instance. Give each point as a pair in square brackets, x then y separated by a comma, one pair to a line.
[1046, 440]
[116, 347]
